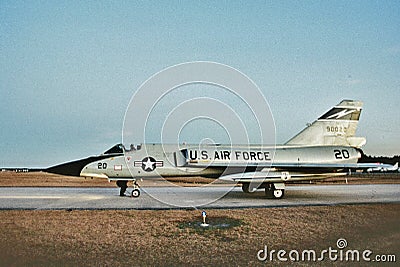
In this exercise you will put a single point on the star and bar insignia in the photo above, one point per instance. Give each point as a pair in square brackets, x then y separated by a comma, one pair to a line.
[149, 164]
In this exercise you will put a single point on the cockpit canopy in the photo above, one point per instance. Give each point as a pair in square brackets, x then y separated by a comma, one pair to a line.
[120, 149]
[117, 149]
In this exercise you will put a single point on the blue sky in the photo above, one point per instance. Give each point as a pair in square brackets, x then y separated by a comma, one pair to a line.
[68, 69]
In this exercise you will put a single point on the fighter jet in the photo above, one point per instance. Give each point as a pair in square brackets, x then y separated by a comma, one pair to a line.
[327, 147]
[379, 167]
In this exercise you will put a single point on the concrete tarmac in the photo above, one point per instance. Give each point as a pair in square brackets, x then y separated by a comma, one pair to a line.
[31, 198]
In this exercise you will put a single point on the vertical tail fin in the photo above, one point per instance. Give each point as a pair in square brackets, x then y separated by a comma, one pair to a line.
[336, 127]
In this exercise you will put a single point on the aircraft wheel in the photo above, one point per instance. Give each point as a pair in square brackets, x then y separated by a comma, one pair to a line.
[135, 193]
[272, 192]
[278, 193]
[246, 188]
[269, 192]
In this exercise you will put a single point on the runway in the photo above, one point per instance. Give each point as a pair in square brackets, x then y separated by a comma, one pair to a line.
[44, 198]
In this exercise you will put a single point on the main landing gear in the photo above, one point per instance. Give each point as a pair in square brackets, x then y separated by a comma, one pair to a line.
[123, 185]
[275, 191]
[272, 190]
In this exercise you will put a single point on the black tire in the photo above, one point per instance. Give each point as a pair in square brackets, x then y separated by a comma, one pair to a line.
[246, 188]
[273, 193]
[135, 193]
[269, 192]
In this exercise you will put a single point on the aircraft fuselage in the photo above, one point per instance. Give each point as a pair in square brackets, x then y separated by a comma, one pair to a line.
[155, 160]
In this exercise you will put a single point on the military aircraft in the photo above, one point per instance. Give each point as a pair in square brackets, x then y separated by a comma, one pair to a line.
[327, 147]
[384, 168]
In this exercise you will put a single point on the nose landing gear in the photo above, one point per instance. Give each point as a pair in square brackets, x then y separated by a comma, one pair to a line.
[135, 190]
[123, 185]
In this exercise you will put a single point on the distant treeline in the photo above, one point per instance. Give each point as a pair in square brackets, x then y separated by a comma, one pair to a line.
[373, 159]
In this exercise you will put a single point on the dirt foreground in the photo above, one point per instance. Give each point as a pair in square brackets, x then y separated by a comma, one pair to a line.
[157, 238]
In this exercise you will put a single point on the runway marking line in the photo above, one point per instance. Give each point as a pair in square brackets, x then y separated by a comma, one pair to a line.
[52, 197]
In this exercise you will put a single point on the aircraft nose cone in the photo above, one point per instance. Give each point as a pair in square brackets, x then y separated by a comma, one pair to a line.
[73, 168]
